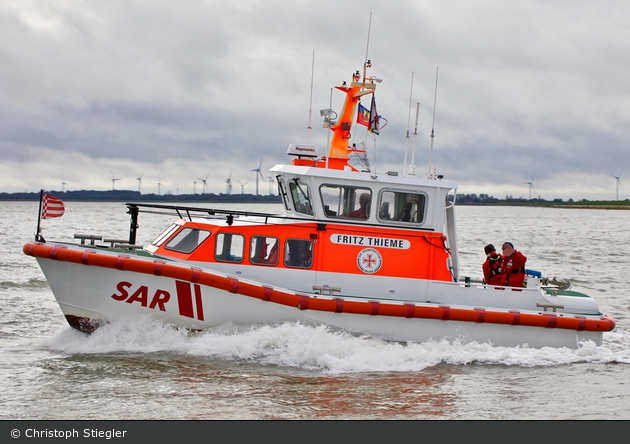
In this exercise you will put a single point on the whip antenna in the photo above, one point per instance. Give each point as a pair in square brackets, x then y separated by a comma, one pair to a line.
[408, 121]
[310, 106]
[367, 47]
[433, 127]
[412, 167]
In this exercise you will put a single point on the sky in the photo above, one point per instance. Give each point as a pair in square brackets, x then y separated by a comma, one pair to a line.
[174, 92]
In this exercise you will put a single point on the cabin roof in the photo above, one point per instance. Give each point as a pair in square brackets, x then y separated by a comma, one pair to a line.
[382, 179]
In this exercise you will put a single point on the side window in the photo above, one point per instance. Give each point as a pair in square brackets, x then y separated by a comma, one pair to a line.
[187, 240]
[401, 206]
[264, 250]
[346, 202]
[298, 253]
[301, 195]
[229, 247]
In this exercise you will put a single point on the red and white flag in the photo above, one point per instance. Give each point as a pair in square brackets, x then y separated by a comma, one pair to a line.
[51, 207]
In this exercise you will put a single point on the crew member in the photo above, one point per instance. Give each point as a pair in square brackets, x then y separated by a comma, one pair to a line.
[513, 266]
[493, 266]
[362, 211]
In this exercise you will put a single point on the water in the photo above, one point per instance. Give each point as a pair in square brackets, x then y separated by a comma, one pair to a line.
[142, 369]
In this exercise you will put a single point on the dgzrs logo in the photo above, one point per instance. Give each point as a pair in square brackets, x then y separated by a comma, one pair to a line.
[369, 260]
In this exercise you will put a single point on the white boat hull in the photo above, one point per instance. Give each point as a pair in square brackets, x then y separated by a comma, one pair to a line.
[90, 294]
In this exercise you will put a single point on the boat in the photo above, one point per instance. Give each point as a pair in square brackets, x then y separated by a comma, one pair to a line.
[371, 254]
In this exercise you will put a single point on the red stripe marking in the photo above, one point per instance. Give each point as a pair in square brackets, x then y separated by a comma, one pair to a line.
[267, 296]
[53, 252]
[446, 312]
[481, 315]
[303, 305]
[410, 310]
[552, 321]
[120, 262]
[233, 285]
[516, 317]
[198, 302]
[184, 299]
[195, 276]
[582, 323]
[375, 305]
[338, 305]
[157, 270]
[84, 257]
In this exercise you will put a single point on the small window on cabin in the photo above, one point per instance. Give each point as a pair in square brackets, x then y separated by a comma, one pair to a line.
[263, 250]
[346, 202]
[187, 240]
[229, 247]
[401, 206]
[301, 195]
[298, 253]
[165, 235]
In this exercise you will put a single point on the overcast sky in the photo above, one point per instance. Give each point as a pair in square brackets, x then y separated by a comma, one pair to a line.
[527, 91]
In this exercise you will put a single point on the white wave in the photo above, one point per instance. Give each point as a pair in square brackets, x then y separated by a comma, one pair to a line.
[321, 349]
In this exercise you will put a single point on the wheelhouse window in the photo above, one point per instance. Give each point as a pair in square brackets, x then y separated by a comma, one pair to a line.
[346, 202]
[282, 190]
[301, 195]
[264, 250]
[165, 235]
[402, 206]
[187, 240]
[229, 247]
[298, 253]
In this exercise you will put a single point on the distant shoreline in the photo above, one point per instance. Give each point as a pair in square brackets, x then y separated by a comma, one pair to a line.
[135, 196]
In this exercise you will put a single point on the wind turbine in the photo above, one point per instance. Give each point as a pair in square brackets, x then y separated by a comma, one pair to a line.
[258, 174]
[204, 183]
[140, 182]
[618, 179]
[229, 183]
[194, 187]
[271, 182]
[159, 185]
[531, 186]
[113, 179]
[63, 185]
[242, 186]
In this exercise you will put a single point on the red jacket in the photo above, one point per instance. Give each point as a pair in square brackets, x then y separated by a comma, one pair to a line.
[514, 268]
[493, 269]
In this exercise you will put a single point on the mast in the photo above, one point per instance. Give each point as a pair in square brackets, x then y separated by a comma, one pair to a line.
[338, 150]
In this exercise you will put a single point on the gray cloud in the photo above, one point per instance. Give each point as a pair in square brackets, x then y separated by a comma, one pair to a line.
[208, 87]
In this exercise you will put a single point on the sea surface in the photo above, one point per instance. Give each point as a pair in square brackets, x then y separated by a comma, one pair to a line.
[142, 369]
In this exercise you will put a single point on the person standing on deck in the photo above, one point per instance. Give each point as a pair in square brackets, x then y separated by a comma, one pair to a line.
[513, 265]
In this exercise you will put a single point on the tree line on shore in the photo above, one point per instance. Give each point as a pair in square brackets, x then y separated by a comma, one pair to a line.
[130, 196]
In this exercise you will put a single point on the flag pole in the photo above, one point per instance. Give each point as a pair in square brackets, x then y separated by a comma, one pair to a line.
[38, 235]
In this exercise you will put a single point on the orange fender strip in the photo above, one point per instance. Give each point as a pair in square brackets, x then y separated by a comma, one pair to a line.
[317, 303]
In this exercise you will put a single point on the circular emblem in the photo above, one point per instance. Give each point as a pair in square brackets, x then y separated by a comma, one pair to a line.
[369, 260]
